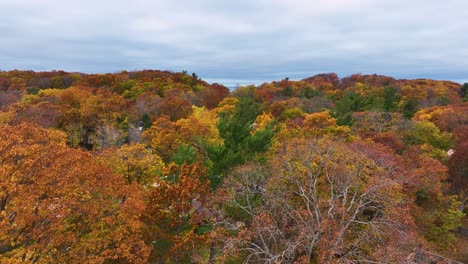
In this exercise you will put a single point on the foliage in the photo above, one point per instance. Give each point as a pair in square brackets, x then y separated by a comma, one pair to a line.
[410, 107]
[135, 163]
[176, 213]
[391, 99]
[240, 145]
[162, 167]
[326, 203]
[350, 103]
[428, 133]
[60, 205]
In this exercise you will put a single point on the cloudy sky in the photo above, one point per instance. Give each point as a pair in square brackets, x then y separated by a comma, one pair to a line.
[239, 41]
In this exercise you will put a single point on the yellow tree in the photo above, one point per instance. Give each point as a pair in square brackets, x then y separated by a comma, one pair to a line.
[135, 163]
[167, 137]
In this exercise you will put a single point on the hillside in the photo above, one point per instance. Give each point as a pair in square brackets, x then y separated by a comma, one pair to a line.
[162, 167]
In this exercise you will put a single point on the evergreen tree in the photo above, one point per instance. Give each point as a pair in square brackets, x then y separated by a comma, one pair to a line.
[240, 145]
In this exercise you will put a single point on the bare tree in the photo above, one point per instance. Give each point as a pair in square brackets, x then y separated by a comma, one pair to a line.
[327, 202]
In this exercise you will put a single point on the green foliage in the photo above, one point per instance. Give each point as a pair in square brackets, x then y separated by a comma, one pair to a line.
[198, 88]
[188, 80]
[350, 103]
[441, 222]
[309, 92]
[146, 121]
[287, 91]
[235, 209]
[428, 133]
[391, 99]
[292, 113]
[464, 91]
[185, 154]
[442, 101]
[122, 122]
[128, 84]
[410, 107]
[161, 246]
[126, 89]
[240, 144]
[33, 90]
[235, 128]
[204, 229]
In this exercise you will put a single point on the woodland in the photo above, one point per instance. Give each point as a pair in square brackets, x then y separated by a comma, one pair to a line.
[162, 167]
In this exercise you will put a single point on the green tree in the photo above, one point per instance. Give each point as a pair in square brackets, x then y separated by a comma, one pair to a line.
[146, 121]
[240, 144]
[410, 107]
[287, 91]
[350, 103]
[464, 91]
[391, 98]
[429, 133]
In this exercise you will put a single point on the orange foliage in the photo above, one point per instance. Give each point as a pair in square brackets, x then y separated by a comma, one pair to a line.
[60, 205]
[176, 213]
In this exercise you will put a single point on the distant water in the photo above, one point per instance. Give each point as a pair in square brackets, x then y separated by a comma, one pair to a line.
[232, 84]
[461, 81]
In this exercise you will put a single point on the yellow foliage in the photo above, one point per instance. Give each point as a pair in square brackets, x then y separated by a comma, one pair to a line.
[202, 123]
[28, 100]
[429, 114]
[228, 104]
[262, 122]
[362, 89]
[49, 92]
[135, 163]
[319, 120]
[6, 117]
[291, 113]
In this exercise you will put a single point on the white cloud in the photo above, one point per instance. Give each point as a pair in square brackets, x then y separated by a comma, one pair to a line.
[254, 39]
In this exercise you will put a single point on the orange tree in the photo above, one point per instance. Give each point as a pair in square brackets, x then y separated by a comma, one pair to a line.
[60, 205]
[177, 215]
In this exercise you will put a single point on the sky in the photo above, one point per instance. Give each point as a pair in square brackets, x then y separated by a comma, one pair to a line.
[239, 42]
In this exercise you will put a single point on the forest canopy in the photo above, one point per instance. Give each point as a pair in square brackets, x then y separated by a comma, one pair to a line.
[162, 167]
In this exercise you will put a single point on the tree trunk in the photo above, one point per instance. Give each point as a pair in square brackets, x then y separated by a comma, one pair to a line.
[212, 252]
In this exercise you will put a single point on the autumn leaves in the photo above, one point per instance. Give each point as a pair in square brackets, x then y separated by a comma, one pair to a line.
[161, 167]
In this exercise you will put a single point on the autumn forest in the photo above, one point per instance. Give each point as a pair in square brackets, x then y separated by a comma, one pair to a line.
[162, 167]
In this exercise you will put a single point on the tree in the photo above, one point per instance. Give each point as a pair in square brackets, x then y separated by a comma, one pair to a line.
[91, 120]
[436, 215]
[410, 107]
[60, 205]
[166, 137]
[464, 91]
[330, 203]
[434, 141]
[375, 122]
[391, 99]
[210, 96]
[240, 145]
[177, 216]
[287, 91]
[163, 138]
[350, 103]
[175, 107]
[458, 172]
[135, 163]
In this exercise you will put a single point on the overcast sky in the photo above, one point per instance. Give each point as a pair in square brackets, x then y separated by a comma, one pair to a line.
[239, 41]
